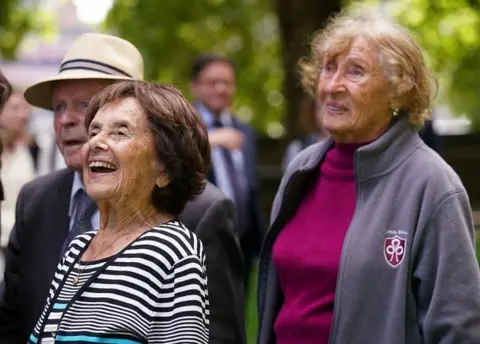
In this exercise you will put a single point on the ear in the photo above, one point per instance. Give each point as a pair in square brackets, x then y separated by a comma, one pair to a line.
[162, 181]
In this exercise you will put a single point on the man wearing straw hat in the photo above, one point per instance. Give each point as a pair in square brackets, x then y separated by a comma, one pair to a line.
[55, 208]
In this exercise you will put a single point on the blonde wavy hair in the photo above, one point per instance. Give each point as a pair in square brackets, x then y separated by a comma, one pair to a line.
[412, 85]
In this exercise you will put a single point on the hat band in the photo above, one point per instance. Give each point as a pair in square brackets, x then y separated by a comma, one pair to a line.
[92, 65]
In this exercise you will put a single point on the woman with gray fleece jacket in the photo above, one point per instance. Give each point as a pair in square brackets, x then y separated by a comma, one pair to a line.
[371, 238]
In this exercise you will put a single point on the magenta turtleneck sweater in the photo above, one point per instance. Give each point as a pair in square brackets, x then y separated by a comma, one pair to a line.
[308, 249]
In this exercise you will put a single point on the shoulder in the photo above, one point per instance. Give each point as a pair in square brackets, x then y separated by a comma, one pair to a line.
[33, 195]
[45, 183]
[77, 245]
[173, 241]
[201, 206]
[210, 195]
[306, 156]
[439, 177]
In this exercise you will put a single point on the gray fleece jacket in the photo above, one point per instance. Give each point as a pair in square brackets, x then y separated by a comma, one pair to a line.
[408, 272]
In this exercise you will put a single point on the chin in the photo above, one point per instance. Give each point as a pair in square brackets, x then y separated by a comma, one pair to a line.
[217, 107]
[334, 127]
[99, 192]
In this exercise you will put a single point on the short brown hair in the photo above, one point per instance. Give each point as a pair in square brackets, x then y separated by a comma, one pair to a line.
[5, 90]
[181, 138]
[411, 87]
[203, 61]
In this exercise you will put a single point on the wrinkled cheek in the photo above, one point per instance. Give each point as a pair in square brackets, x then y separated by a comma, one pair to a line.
[126, 182]
[320, 92]
[57, 127]
[59, 142]
[133, 181]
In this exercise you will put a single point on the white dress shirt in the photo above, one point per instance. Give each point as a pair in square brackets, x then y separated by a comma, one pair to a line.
[218, 162]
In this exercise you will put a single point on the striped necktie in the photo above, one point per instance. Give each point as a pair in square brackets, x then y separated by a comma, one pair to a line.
[85, 208]
[240, 197]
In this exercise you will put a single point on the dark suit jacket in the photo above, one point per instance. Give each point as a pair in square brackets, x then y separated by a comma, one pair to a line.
[255, 223]
[432, 139]
[41, 227]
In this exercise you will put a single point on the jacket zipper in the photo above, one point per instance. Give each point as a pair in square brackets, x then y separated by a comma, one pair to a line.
[338, 287]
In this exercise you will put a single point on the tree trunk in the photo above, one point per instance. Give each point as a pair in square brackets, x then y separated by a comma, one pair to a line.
[298, 21]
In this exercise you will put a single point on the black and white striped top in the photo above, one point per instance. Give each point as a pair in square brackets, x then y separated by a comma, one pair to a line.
[153, 291]
[67, 293]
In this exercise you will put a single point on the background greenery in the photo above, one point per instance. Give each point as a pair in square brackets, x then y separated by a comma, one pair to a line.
[450, 33]
[249, 31]
[17, 21]
[265, 38]
[170, 35]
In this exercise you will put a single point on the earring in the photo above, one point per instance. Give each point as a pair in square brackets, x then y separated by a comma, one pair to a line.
[395, 112]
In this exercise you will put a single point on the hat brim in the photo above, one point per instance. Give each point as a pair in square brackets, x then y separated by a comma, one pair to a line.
[41, 94]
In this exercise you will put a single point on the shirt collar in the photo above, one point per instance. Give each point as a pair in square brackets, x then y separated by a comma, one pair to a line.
[77, 185]
[209, 118]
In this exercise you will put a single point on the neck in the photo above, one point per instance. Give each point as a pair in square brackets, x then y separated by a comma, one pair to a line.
[114, 218]
[369, 135]
[216, 113]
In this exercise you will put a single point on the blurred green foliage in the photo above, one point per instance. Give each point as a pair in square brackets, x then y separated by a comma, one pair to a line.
[449, 30]
[16, 21]
[170, 34]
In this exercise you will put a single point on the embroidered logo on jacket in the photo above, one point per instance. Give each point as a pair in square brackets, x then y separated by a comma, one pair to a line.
[394, 250]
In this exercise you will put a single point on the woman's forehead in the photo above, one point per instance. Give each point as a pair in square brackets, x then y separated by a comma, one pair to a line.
[359, 46]
[124, 110]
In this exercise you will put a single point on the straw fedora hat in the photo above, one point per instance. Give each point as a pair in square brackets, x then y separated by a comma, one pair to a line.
[92, 56]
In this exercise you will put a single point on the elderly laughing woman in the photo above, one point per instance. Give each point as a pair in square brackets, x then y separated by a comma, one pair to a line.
[141, 278]
[371, 238]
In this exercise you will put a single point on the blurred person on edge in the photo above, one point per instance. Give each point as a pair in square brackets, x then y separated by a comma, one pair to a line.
[234, 150]
[371, 238]
[18, 167]
[5, 92]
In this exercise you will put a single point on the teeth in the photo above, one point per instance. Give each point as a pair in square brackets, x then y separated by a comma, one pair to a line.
[102, 164]
[335, 108]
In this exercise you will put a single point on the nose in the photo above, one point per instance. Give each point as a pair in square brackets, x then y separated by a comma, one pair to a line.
[335, 83]
[221, 86]
[98, 143]
[69, 117]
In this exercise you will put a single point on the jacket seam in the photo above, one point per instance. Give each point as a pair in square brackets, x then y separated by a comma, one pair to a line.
[437, 205]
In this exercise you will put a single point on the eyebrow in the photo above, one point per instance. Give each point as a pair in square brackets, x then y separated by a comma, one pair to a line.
[359, 61]
[116, 124]
[121, 124]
